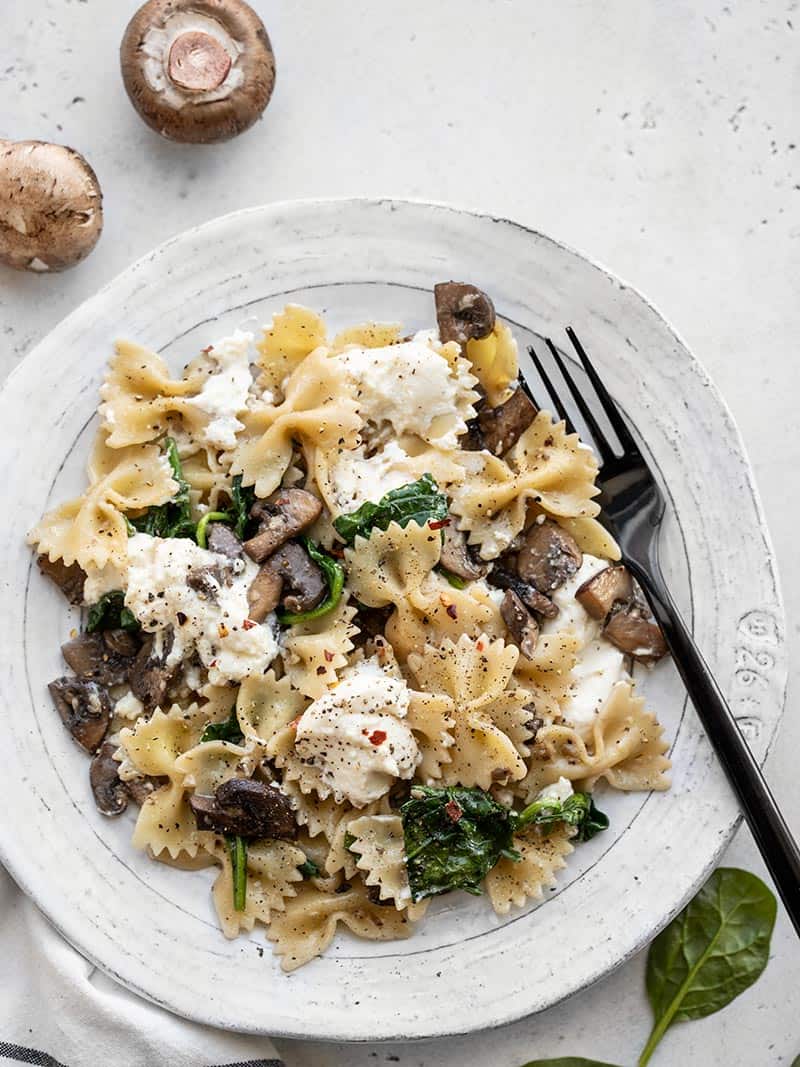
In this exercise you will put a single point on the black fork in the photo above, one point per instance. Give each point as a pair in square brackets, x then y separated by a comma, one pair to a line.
[632, 510]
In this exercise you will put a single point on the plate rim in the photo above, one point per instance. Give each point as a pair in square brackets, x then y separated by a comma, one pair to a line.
[282, 207]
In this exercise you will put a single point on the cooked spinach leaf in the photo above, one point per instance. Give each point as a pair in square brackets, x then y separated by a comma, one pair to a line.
[237, 515]
[577, 810]
[201, 532]
[710, 953]
[308, 868]
[418, 502]
[229, 730]
[110, 613]
[453, 837]
[237, 847]
[173, 519]
[455, 580]
[334, 576]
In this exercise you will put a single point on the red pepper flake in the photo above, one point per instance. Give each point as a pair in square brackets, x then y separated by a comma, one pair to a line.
[281, 501]
[213, 663]
[377, 737]
[480, 646]
[248, 624]
[328, 655]
[439, 524]
[453, 809]
[452, 612]
[205, 351]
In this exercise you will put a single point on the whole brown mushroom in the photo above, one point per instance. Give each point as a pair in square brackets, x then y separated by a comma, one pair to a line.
[197, 71]
[51, 206]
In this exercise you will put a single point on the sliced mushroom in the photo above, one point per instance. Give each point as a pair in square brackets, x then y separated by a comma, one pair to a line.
[371, 622]
[521, 623]
[247, 808]
[109, 791]
[197, 71]
[285, 515]
[221, 539]
[528, 594]
[498, 429]
[463, 312]
[264, 593]
[51, 207]
[150, 676]
[70, 579]
[548, 557]
[206, 582]
[457, 558]
[106, 657]
[302, 578]
[85, 709]
[633, 630]
[602, 591]
[140, 788]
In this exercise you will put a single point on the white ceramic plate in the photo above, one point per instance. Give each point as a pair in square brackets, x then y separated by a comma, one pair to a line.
[153, 928]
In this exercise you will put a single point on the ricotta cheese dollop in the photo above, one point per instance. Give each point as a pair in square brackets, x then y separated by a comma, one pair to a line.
[173, 583]
[600, 664]
[414, 388]
[224, 394]
[357, 478]
[355, 736]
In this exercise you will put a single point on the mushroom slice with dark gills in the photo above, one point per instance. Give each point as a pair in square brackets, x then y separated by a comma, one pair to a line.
[107, 657]
[463, 312]
[109, 791]
[634, 630]
[246, 808]
[503, 578]
[70, 580]
[85, 709]
[197, 71]
[600, 593]
[548, 557]
[150, 675]
[498, 429]
[304, 585]
[222, 540]
[285, 515]
[457, 558]
[521, 623]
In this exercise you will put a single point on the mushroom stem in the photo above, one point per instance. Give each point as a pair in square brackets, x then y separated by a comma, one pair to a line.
[198, 62]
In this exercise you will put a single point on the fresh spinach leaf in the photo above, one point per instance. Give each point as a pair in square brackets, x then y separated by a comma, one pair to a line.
[237, 847]
[334, 576]
[229, 730]
[418, 502]
[173, 519]
[242, 499]
[568, 1061]
[110, 613]
[308, 869]
[577, 810]
[453, 837]
[710, 953]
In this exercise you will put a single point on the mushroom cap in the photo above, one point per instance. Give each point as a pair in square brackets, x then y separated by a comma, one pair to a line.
[51, 206]
[197, 71]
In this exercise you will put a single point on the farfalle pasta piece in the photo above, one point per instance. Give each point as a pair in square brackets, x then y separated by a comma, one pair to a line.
[430, 716]
[547, 466]
[490, 713]
[318, 411]
[91, 530]
[205, 767]
[438, 610]
[543, 855]
[308, 924]
[139, 395]
[591, 537]
[379, 848]
[367, 335]
[208, 473]
[165, 820]
[292, 335]
[266, 705]
[626, 747]
[547, 674]
[495, 362]
[392, 564]
[315, 651]
[272, 873]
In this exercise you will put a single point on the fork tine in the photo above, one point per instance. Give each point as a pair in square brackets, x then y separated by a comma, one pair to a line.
[601, 444]
[555, 398]
[612, 412]
[525, 387]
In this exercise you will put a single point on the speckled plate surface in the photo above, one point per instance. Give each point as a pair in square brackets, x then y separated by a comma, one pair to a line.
[153, 928]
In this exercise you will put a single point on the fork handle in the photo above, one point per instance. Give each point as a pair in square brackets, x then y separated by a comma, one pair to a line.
[767, 824]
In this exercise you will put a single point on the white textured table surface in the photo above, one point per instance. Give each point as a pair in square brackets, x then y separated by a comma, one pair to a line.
[657, 137]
